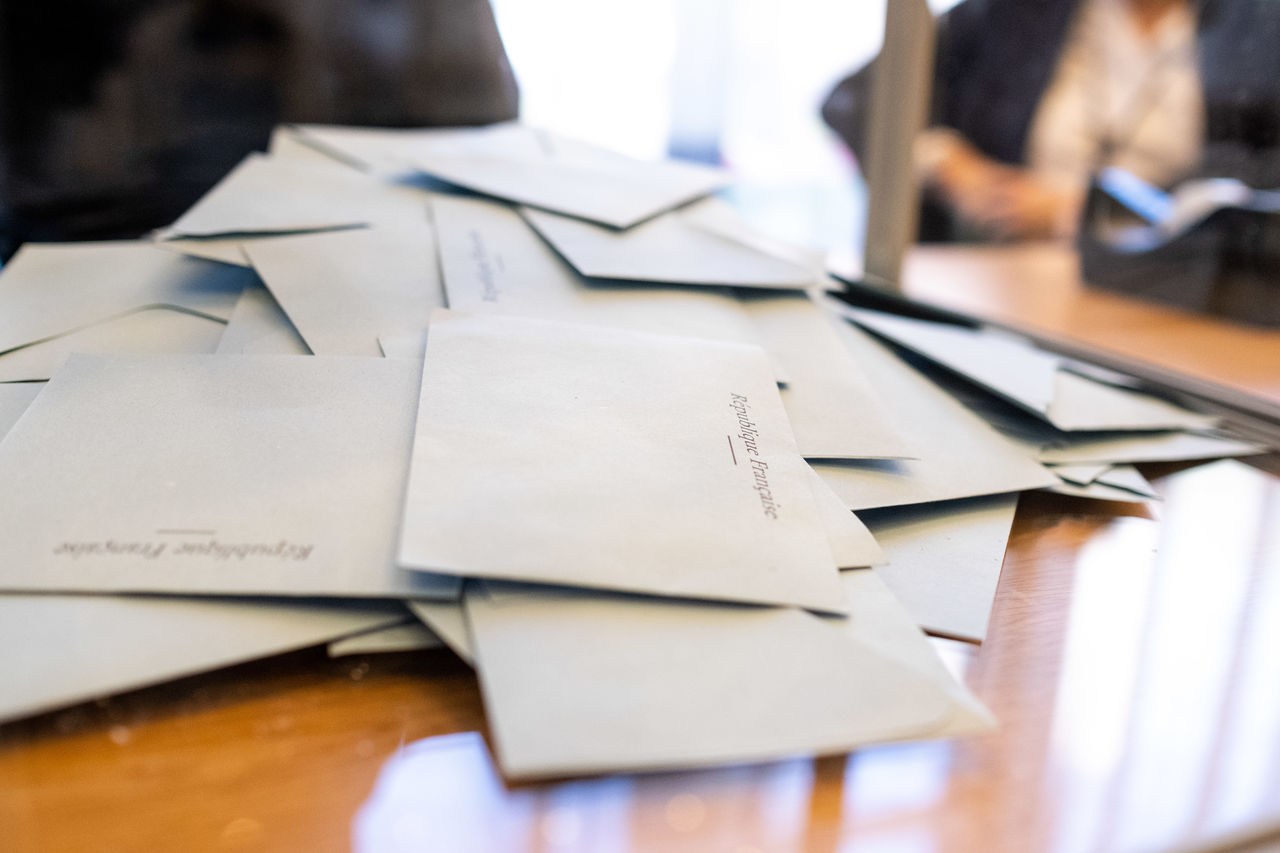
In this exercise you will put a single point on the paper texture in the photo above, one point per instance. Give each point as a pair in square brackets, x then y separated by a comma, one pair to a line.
[1016, 371]
[493, 263]
[670, 684]
[1098, 492]
[723, 220]
[834, 410]
[286, 143]
[1031, 378]
[404, 346]
[75, 648]
[852, 544]
[532, 167]
[1149, 447]
[264, 475]
[1128, 477]
[266, 194]
[961, 455]
[408, 637]
[226, 250]
[587, 456]
[668, 248]
[342, 289]
[65, 649]
[944, 560]
[446, 620]
[1080, 475]
[55, 289]
[15, 397]
[1081, 403]
[258, 327]
[148, 331]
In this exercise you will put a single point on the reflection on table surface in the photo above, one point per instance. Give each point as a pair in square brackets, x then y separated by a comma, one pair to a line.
[1132, 661]
[1037, 286]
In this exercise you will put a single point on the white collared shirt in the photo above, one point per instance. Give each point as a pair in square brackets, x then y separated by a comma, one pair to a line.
[1114, 84]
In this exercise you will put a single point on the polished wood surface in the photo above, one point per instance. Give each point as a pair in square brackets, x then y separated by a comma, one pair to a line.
[1133, 661]
[1038, 286]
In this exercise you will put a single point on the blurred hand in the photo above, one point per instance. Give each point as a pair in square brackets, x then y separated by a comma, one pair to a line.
[1005, 202]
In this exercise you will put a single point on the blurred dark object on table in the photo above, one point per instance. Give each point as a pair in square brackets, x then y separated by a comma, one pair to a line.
[116, 115]
[1212, 246]
[997, 61]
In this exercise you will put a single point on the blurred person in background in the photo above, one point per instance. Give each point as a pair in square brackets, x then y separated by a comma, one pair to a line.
[1032, 97]
[116, 115]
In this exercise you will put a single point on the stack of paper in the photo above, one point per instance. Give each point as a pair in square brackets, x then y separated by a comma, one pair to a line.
[586, 429]
[1088, 430]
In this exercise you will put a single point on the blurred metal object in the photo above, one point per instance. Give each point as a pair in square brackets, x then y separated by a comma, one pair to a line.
[900, 92]
[1225, 262]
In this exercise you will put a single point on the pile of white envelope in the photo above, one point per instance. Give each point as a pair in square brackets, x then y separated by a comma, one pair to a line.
[559, 409]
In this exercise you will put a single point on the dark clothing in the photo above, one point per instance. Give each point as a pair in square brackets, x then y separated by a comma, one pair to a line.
[996, 58]
[116, 115]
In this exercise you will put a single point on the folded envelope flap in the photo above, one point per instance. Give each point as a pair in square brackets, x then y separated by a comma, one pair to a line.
[570, 177]
[372, 147]
[50, 290]
[666, 248]
[579, 682]
[1011, 368]
[852, 544]
[225, 250]
[266, 194]
[15, 397]
[152, 330]
[610, 459]
[81, 647]
[619, 198]
[343, 289]
[181, 474]
[448, 621]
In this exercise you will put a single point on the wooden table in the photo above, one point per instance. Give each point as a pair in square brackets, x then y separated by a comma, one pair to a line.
[1133, 659]
[1037, 286]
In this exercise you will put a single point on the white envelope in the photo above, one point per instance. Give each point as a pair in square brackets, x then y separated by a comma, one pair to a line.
[944, 560]
[557, 453]
[1080, 403]
[1129, 478]
[853, 546]
[342, 289]
[1009, 367]
[1098, 492]
[493, 263]
[225, 250]
[65, 649]
[287, 143]
[403, 346]
[961, 455]
[1080, 475]
[447, 621]
[532, 167]
[15, 397]
[409, 636]
[48, 291]
[258, 327]
[150, 331]
[1041, 440]
[834, 410]
[79, 647]
[261, 475]
[669, 248]
[1030, 378]
[579, 682]
[1146, 447]
[264, 195]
